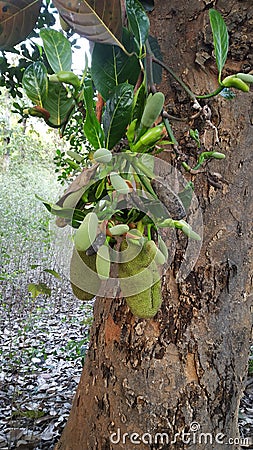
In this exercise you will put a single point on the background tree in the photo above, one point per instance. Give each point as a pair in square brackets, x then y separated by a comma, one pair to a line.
[195, 349]
[189, 363]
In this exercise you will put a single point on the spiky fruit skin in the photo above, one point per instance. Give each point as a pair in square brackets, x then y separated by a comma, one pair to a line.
[140, 276]
[146, 304]
[81, 277]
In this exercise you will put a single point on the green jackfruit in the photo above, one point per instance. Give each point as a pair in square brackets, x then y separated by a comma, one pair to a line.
[118, 183]
[237, 83]
[152, 249]
[136, 260]
[139, 279]
[152, 109]
[84, 280]
[146, 304]
[119, 229]
[246, 77]
[102, 155]
[103, 263]
[87, 232]
[135, 278]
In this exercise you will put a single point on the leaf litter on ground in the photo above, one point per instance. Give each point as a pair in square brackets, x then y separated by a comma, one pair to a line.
[43, 340]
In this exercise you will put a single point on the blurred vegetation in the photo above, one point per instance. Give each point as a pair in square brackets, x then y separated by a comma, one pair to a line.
[27, 150]
[27, 142]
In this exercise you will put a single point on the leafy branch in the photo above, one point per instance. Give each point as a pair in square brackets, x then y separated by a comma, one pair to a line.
[115, 202]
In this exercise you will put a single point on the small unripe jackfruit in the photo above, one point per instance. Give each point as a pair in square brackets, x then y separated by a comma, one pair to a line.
[86, 233]
[102, 155]
[119, 229]
[103, 263]
[235, 82]
[152, 109]
[84, 280]
[118, 183]
[246, 77]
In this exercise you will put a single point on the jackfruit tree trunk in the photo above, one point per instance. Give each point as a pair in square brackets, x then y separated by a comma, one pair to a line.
[184, 371]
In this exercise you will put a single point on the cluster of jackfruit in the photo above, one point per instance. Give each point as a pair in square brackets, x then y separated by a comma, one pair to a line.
[90, 262]
[138, 268]
[138, 272]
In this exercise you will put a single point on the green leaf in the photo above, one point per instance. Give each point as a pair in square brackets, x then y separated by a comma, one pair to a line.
[17, 20]
[3, 276]
[117, 113]
[111, 66]
[100, 189]
[58, 50]
[194, 134]
[67, 213]
[37, 289]
[139, 103]
[98, 21]
[58, 104]
[220, 39]
[30, 413]
[53, 272]
[34, 266]
[93, 131]
[35, 83]
[146, 184]
[148, 4]
[92, 128]
[138, 21]
[157, 69]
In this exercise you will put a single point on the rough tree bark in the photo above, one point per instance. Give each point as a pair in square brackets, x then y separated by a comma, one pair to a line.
[189, 363]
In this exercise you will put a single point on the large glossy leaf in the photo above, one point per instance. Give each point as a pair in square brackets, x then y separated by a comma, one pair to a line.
[57, 104]
[97, 20]
[66, 213]
[92, 128]
[117, 113]
[57, 49]
[17, 20]
[138, 21]
[140, 98]
[220, 38]
[157, 69]
[148, 4]
[111, 66]
[35, 83]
